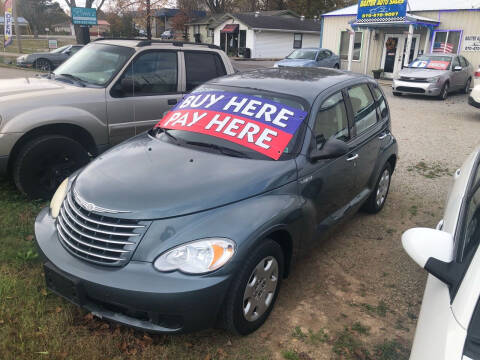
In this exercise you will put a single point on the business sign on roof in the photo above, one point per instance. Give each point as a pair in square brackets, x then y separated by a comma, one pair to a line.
[263, 125]
[381, 11]
[84, 16]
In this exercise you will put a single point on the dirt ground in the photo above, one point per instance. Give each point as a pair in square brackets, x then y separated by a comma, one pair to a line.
[357, 295]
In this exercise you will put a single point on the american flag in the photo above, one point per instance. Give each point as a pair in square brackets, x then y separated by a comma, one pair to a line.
[442, 47]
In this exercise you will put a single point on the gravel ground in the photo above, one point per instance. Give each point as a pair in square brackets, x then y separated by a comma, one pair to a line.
[361, 273]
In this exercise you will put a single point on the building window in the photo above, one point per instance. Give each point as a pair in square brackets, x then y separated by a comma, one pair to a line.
[210, 33]
[297, 41]
[446, 41]
[345, 44]
[196, 29]
[243, 38]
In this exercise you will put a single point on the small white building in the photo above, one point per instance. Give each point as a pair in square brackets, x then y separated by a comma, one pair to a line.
[265, 35]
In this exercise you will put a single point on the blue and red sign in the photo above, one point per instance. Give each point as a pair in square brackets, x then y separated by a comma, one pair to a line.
[259, 124]
[381, 10]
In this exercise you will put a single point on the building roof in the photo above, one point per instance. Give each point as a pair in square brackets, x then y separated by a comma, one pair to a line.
[21, 20]
[172, 12]
[275, 13]
[277, 22]
[419, 5]
[206, 19]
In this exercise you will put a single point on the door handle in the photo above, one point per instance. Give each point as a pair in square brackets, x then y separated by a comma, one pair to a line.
[381, 137]
[172, 101]
[354, 157]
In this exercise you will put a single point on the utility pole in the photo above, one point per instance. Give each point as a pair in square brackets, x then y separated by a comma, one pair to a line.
[149, 25]
[18, 32]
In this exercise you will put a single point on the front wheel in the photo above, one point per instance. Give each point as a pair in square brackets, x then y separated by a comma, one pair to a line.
[43, 65]
[43, 163]
[377, 199]
[466, 90]
[254, 290]
[395, 93]
[444, 92]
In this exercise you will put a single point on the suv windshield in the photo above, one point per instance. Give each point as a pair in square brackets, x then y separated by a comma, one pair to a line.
[303, 54]
[209, 143]
[433, 62]
[96, 64]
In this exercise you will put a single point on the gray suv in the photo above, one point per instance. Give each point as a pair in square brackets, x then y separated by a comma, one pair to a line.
[109, 91]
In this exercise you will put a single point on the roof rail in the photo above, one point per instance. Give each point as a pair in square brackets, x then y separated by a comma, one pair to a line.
[145, 42]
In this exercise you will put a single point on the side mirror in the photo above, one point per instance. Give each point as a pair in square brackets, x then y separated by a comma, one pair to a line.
[332, 149]
[129, 86]
[457, 68]
[423, 244]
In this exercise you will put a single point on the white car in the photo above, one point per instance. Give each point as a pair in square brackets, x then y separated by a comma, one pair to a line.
[448, 327]
[474, 98]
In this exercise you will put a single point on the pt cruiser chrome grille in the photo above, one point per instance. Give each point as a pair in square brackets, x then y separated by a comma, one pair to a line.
[96, 238]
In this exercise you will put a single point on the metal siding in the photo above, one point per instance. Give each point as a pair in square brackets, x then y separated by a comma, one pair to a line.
[277, 45]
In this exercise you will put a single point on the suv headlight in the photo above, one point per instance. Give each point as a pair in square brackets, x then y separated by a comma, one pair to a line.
[57, 199]
[433, 79]
[197, 257]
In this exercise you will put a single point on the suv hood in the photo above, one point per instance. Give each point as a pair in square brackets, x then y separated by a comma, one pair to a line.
[10, 87]
[422, 73]
[153, 179]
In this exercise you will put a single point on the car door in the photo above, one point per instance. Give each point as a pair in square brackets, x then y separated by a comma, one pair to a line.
[458, 78]
[369, 134]
[200, 67]
[322, 59]
[328, 184]
[149, 87]
[447, 311]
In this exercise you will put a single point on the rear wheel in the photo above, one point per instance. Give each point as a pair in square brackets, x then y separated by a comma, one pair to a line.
[395, 93]
[43, 163]
[466, 90]
[253, 292]
[377, 199]
[43, 65]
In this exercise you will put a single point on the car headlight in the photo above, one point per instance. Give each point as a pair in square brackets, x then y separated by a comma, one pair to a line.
[57, 199]
[275, 65]
[197, 257]
[433, 79]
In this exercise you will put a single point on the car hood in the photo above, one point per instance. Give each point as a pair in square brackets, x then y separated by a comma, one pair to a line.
[294, 62]
[153, 179]
[27, 85]
[422, 73]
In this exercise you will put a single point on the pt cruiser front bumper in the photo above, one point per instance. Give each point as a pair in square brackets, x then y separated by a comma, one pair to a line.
[417, 88]
[136, 295]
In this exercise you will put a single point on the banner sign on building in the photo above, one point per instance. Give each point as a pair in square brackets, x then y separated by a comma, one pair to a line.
[472, 43]
[8, 24]
[381, 11]
[84, 16]
[259, 124]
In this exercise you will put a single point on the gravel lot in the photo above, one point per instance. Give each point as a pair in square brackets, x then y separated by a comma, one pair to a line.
[360, 278]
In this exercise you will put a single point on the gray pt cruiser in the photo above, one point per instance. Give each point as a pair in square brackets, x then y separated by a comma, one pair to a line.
[195, 223]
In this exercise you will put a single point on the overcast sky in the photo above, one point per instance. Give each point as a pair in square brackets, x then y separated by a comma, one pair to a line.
[171, 3]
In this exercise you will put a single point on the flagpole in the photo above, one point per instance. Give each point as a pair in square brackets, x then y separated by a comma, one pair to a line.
[17, 26]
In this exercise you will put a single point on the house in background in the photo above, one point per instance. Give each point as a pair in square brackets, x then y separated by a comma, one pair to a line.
[201, 30]
[451, 26]
[21, 21]
[162, 19]
[102, 28]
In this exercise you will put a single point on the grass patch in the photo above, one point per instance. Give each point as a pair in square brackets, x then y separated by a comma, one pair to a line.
[360, 328]
[430, 171]
[348, 346]
[298, 333]
[37, 45]
[391, 350]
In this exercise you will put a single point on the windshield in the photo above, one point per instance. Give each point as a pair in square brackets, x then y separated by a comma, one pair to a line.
[282, 144]
[96, 64]
[303, 54]
[60, 49]
[432, 62]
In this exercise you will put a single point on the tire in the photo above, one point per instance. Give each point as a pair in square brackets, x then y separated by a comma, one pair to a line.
[238, 299]
[337, 67]
[444, 93]
[375, 204]
[466, 89]
[43, 65]
[396, 93]
[44, 162]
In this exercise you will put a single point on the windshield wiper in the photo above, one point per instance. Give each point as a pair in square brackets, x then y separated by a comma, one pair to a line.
[221, 149]
[165, 131]
[75, 78]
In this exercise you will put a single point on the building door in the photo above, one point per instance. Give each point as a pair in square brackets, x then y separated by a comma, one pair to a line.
[393, 57]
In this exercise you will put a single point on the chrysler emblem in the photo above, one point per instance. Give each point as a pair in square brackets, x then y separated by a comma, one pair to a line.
[92, 207]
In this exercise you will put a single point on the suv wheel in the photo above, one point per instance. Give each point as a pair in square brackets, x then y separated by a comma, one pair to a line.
[44, 162]
[254, 290]
[43, 65]
[377, 199]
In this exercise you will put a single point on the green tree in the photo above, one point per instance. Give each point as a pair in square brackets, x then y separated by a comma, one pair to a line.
[41, 14]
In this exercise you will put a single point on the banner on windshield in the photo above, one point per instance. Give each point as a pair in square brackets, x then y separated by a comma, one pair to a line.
[430, 64]
[8, 24]
[381, 11]
[259, 124]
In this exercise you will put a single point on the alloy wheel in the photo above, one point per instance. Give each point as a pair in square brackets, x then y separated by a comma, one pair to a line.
[260, 290]
[382, 188]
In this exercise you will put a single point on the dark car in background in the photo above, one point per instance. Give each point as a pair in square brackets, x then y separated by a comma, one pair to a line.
[194, 223]
[47, 61]
[310, 57]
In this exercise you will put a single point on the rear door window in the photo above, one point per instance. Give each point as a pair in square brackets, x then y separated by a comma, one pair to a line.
[331, 120]
[363, 106]
[381, 102]
[201, 67]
